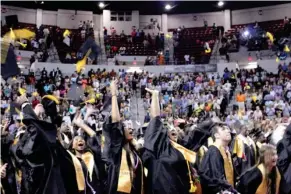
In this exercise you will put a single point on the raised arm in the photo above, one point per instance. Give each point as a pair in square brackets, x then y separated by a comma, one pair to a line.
[156, 137]
[115, 115]
[155, 105]
[79, 122]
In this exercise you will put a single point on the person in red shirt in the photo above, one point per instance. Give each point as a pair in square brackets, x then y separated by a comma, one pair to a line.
[133, 35]
[35, 102]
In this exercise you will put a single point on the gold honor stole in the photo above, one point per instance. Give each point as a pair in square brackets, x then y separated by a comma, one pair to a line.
[238, 147]
[209, 141]
[263, 187]
[89, 162]
[228, 168]
[124, 182]
[190, 157]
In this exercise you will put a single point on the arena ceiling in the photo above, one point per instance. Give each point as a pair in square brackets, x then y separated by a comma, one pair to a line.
[144, 7]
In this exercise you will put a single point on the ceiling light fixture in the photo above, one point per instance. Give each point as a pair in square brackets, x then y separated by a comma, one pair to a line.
[101, 5]
[220, 3]
[168, 7]
[42, 2]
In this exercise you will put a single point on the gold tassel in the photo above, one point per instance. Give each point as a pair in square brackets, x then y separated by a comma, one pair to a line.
[193, 188]
[286, 49]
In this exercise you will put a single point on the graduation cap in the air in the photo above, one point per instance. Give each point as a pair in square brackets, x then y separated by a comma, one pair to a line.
[89, 49]
[75, 92]
[9, 65]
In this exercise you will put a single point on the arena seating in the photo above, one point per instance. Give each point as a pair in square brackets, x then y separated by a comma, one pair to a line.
[191, 42]
[137, 48]
[57, 38]
[275, 27]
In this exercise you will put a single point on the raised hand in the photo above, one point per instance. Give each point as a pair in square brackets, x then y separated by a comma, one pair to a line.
[21, 99]
[113, 87]
[153, 92]
[89, 111]
[3, 170]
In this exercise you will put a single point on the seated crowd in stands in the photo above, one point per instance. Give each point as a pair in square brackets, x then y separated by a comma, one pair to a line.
[65, 47]
[138, 43]
[245, 105]
[253, 36]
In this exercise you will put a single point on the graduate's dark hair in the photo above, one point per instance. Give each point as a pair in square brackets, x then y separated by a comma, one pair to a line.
[214, 130]
[273, 174]
[128, 158]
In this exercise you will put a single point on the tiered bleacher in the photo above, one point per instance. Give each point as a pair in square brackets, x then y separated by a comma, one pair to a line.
[191, 42]
[132, 48]
[276, 27]
[56, 36]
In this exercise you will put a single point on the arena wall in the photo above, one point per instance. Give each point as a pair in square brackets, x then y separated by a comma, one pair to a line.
[24, 15]
[269, 13]
[70, 19]
[121, 25]
[195, 20]
[269, 65]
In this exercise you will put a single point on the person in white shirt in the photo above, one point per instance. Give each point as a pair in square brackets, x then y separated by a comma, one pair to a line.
[81, 25]
[187, 60]
[227, 86]
[83, 34]
[258, 115]
[216, 105]
[67, 41]
[91, 25]
[122, 50]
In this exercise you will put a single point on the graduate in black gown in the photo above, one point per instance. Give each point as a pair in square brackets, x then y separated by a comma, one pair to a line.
[246, 151]
[265, 177]
[125, 171]
[8, 181]
[216, 169]
[86, 157]
[167, 162]
[284, 161]
[36, 151]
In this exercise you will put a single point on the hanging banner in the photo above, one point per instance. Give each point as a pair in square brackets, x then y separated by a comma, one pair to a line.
[191, 68]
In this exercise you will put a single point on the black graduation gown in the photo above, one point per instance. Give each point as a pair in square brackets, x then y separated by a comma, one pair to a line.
[99, 175]
[284, 162]
[167, 167]
[36, 151]
[67, 170]
[198, 137]
[247, 160]
[112, 155]
[9, 182]
[250, 181]
[212, 172]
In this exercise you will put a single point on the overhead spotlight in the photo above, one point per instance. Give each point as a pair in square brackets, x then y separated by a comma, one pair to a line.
[220, 3]
[246, 33]
[101, 5]
[168, 7]
[42, 2]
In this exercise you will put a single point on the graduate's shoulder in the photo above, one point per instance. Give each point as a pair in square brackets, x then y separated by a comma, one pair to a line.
[213, 150]
[251, 175]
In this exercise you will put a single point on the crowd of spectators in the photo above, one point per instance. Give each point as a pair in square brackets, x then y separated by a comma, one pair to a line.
[66, 47]
[254, 37]
[137, 41]
[253, 98]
